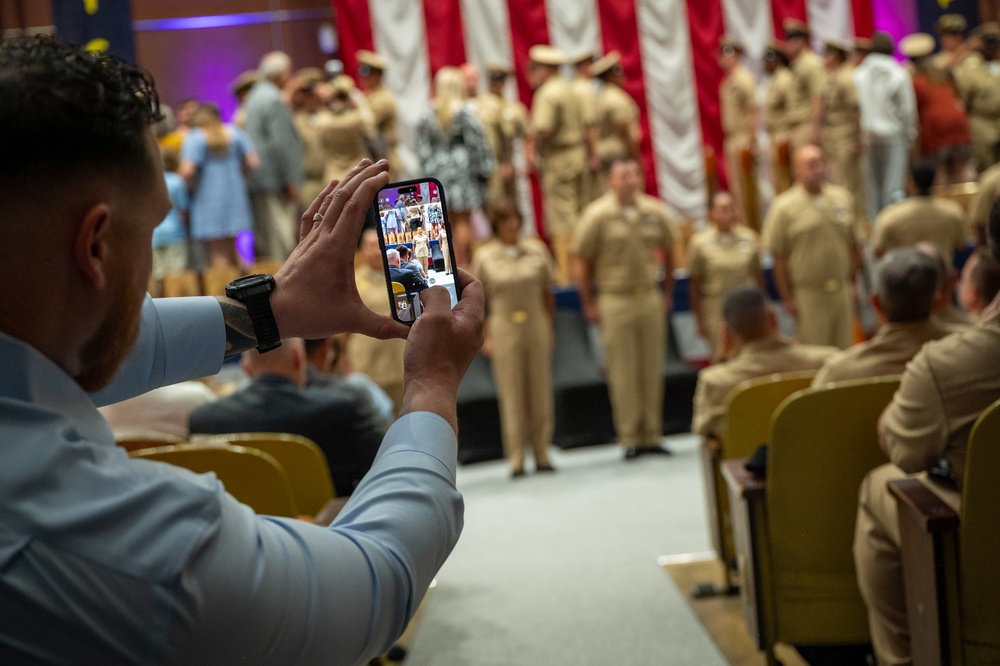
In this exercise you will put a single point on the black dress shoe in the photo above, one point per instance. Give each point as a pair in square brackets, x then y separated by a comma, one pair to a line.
[631, 453]
[656, 451]
[545, 468]
[516, 473]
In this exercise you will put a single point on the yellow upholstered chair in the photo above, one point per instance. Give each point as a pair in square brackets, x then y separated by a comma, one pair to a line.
[952, 579]
[799, 572]
[135, 440]
[300, 457]
[249, 475]
[749, 407]
[269, 266]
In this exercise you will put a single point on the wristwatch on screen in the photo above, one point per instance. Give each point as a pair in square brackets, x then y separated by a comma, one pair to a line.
[254, 291]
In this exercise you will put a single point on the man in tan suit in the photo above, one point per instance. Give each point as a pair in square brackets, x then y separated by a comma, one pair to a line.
[779, 88]
[751, 332]
[981, 95]
[586, 96]
[944, 389]
[381, 360]
[737, 99]
[808, 77]
[623, 244]
[382, 103]
[839, 124]
[902, 296]
[557, 150]
[815, 239]
[920, 217]
[616, 120]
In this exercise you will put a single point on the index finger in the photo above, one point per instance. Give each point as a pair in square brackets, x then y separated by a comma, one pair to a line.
[344, 194]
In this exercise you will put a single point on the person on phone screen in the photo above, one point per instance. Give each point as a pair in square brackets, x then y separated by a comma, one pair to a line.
[410, 278]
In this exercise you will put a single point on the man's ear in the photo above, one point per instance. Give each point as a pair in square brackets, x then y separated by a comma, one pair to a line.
[92, 248]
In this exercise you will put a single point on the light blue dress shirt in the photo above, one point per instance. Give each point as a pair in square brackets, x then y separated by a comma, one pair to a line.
[107, 559]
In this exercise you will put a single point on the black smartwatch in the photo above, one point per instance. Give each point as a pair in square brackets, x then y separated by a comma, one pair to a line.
[254, 291]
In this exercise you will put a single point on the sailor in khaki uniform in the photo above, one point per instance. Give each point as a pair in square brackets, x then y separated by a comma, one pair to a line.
[981, 95]
[617, 245]
[309, 113]
[383, 107]
[839, 124]
[345, 131]
[721, 257]
[979, 210]
[517, 274]
[586, 96]
[557, 150]
[737, 100]
[815, 239]
[902, 297]
[776, 99]
[920, 217]
[616, 118]
[808, 77]
[956, 55]
[504, 121]
[381, 360]
[751, 331]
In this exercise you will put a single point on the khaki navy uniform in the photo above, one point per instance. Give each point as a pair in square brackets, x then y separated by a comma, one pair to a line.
[503, 121]
[756, 358]
[517, 279]
[313, 156]
[621, 245]
[345, 134]
[840, 135]
[808, 78]
[915, 219]
[818, 237]
[887, 353]
[989, 192]
[982, 102]
[737, 99]
[556, 111]
[382, 360]
[943, 391]
[961, 70]
[776, 102]
[586, 97]
[383, 109]
[722, 262]
[616, 114]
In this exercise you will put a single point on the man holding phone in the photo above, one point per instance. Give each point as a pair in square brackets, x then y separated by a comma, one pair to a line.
[108, 559]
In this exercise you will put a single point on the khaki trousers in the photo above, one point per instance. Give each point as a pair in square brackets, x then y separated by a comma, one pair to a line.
[878, 563]
[846, 168]
[276, 225]
[825, 317]
[733, 147]
[711, 312]
[522, 370]
[633, 330]
[562, 191]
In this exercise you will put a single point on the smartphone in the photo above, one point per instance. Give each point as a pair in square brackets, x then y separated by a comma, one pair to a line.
[414, 234]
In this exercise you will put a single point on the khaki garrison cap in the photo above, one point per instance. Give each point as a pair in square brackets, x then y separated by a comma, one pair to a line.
[497, 71]
[546, 55]
[244, 82]
[602, 66]
[795, 28]
[342, 84]
[988, 29]
[308, 75]
[950, 23]
[838, 45]
[917, 45]
[582, 57]
[373, 60]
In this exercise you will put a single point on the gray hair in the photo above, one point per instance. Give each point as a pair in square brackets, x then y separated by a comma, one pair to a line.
[906, 281]
[745, 310]
[392, 255]
[274, 64]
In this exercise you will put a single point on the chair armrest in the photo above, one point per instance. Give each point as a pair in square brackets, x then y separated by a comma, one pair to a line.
[741, 481]
[919, 504]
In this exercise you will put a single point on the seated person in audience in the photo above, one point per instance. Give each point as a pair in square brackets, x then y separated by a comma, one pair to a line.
[906, 282]
[339, 417]
[329, 364]
[944, 310]
[411, 278]
[979, 283]
[406, 260]
[920, 217]
[982, 202]
[164, 410]
[109, 559]
[943, 391]
[750, 334]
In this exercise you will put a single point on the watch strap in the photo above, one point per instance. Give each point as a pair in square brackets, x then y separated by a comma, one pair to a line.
[265, 328]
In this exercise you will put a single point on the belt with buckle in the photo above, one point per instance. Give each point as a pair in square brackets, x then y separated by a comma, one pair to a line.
[832, 286]
[519, 316]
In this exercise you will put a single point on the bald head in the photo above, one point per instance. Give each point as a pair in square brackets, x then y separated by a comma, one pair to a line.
[810, 169]
[288, 360]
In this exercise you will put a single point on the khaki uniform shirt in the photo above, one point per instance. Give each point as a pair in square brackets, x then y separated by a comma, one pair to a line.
[615, 108]
[382, 360]
[989, 191]
[755, 359]
[839, 98]
[776, 103]
[345, 136]
[724, 261]
[917, 219]
[556, 110]
[737, 98]
[945, 388]
[953, 318]
[622, 243]
[808, 78]
[982, 90]
[313, 157]
[817, 235]
[960, 70]
[490, 111]
[516, 278]
[383, 108]
[887, 353]
[586, 96]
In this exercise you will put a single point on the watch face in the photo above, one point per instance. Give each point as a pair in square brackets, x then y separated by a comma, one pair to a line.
[252, 280]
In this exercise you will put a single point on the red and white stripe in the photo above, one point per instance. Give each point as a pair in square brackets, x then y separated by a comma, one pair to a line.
[668, 49]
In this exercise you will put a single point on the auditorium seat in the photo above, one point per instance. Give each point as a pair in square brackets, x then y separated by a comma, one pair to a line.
[135, 440]
[950, 561]
[183, 283]
[794, 531]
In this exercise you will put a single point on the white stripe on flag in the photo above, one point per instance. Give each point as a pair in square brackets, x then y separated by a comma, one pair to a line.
[749, 23]
[487, 35]
[673, 106]
[574, 26]
[399, 33]
[830, 19]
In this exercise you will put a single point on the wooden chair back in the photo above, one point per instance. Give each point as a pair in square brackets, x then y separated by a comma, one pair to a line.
[300, 457]
[251, 476]
[184, 283]
[823, 442]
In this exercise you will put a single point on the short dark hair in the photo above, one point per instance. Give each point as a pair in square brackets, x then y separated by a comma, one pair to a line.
[745, 311]
[404, 252]
[882, 43]
[68, 113]
[923, 173]
[499, 210]
[985, 275]
[906, 281]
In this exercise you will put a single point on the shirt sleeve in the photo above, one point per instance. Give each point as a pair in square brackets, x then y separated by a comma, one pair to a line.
[179, 339]
[194, 148]
[586, 235]
[283, 591]
[543, 114]
[774, 231]
[709, 408]
[914, 424]
[696, 259]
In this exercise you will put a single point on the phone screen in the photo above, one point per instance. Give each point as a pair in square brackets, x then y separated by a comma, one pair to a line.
[413, 232]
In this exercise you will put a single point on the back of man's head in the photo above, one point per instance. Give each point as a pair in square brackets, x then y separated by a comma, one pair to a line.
[288, 360]
[274, 64]
[993, 230]
[906, 281]
[882, 42]
[392, 256]
[68, 116]
[746, 311]
[922, 173]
